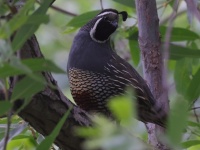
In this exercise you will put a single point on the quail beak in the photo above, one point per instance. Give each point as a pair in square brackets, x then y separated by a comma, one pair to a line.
[115, 23]
[113, 19]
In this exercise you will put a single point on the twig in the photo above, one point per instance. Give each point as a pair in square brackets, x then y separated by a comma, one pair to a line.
[166, 47]
[63, 11]
[193, 132]
[193, 8]
[195, 113]
[194, 108]
[196, 116]
[168, 17]
[60, 10]
[164, 4]
[9, 115]
[101, 3]
[7, 129]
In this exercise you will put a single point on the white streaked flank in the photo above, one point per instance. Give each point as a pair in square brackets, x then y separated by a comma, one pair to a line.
[134, 80]
[123, 65]
[113, 57]
[118, 81]
[142, 97]
[123, 78]
[139, 89]
[107, 69]
[126, 72]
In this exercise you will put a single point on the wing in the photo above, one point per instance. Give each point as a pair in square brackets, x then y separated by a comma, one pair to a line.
[123, 75]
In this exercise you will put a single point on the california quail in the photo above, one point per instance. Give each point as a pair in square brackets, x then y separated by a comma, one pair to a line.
[96, 73]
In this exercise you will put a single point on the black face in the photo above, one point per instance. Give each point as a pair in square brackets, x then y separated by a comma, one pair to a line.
[105, 28]
[106, 23]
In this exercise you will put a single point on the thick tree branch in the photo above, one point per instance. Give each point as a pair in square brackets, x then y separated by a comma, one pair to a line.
[48, 106]
[149, 41]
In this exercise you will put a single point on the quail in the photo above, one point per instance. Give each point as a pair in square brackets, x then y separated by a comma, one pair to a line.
[96, 73]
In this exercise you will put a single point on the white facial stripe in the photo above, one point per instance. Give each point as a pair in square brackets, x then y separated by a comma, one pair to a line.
[93, 30]
[105, 13]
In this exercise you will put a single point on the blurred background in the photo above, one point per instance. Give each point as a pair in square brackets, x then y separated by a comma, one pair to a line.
[55, 39]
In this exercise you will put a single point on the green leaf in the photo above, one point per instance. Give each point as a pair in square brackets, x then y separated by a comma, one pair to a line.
[28, 29]
[123, 108]
[27, 87]
[98, 129]
[177, 121]
[88, 132]
[41, 64]
[82, 19]
[7, 70]
[129, 3]
[190, 143]
[179, 34]
[193, 90]
[109, 135]
[193, 124]
[135, 51]
[4, 107]
[16, 131]
[171, 4]
[133, 44]
[182, 75]
[133, 33]
[177, 52]
[17, 21]
[4, 8]
[34, 64]
[37, 19]
[47, 142]
[28, 141]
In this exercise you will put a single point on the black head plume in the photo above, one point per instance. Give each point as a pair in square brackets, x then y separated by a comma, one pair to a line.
[124, 15]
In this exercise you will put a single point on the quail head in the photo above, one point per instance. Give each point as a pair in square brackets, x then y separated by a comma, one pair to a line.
[96, 73]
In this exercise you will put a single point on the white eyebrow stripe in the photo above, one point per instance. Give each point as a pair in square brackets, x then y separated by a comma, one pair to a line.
[105, 13]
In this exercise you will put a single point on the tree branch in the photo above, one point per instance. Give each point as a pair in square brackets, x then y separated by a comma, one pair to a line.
[63, 11]
[192, 9]
[149, 41]
[9, 116]
[60, 10]
[48, 106]
[165, 20]
[194, 108]
[101, 3]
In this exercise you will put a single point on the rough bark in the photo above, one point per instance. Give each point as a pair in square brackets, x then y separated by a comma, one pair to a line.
[149, 41]
[47, 107]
